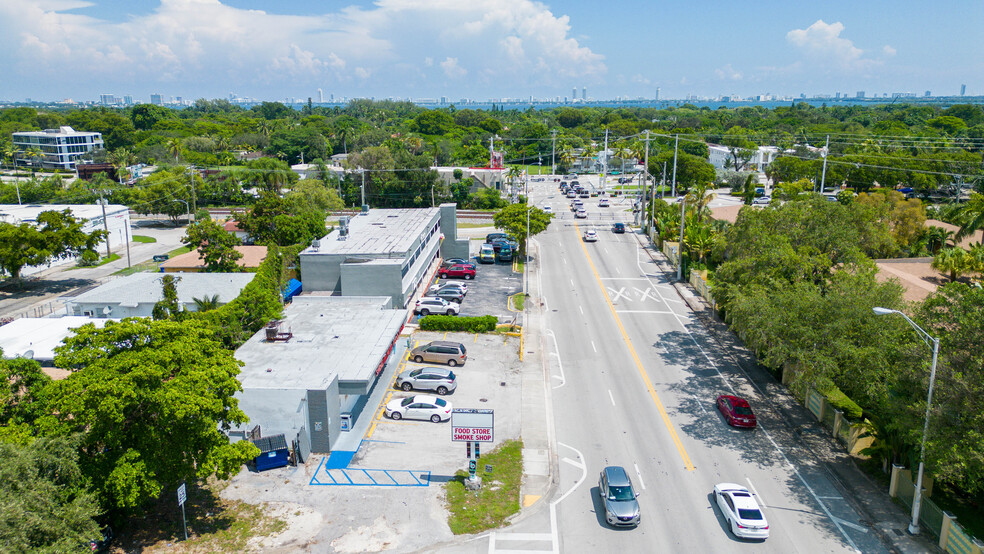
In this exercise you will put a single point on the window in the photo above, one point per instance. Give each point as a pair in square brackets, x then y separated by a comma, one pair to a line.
[750, 514]
[440, 402]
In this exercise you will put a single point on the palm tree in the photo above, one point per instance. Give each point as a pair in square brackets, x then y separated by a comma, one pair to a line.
[938, 237]
[121, 158]
[955, 261]
[36, 155]
[207, 303]
[971, 216]
[699, 198]
[567, 157]
[173, 147]
[7, 152]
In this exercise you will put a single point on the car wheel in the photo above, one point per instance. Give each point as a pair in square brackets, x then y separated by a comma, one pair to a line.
[442, 390]
[407, 387]
[396, 415]
[444, 276]
[418, 359]
[424, 312]
[436, 418]
[468, 277]
[450, 312]
[452, 363]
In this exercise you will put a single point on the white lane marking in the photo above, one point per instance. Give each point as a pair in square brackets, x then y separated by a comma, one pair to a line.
[647, 293]
[836, 521]
[642, 312]
[574, 463]
[620, 293]
[593, 347]
[560, 363]
[699, 403]
[624, 279]
[854, 526]
[761, 500]
[523, 537]
[565, 260]
[582, 309]
[831, 497]
[639, 474]
[572, 282]
[553, 505]
[610, 397]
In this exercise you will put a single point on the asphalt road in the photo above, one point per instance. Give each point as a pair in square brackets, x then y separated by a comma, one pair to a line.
[634, 378]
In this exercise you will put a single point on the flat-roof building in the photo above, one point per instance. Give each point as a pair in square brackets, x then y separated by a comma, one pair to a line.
[36, 337]
[382, 252]
[303, 378]
[135, 295]
[60, 148]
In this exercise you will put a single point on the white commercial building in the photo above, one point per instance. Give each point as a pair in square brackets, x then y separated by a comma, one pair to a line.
[37, 337]
[719, 157]
[60, 148]
[116, 221]
[135, 295]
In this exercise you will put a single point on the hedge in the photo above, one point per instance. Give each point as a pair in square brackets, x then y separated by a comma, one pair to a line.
[483, 324]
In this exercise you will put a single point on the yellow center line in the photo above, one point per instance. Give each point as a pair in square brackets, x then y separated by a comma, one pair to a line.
[642, 371]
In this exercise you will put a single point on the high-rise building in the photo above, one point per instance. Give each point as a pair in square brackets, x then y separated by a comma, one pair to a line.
[321, 96]
[127, 100]
[574, 93]
[963, 90]
[157, 99]
[928, 94]
[60, 148]
[859, 94]
[584, 93]
[657, 93]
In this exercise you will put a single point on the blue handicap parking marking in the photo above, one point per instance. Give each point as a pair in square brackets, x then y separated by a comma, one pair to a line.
[355, 477]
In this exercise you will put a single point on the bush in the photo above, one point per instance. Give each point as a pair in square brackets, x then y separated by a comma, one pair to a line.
[841, 402]
[483, 324]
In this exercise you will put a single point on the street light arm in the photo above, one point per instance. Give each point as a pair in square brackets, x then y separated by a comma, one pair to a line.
[925, 336]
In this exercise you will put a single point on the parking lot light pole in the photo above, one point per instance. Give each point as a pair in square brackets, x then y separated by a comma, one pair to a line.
[187, 208]
[934, 343]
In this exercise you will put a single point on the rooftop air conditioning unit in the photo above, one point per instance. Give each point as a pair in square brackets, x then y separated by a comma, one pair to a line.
[365, 209]
[316, 244]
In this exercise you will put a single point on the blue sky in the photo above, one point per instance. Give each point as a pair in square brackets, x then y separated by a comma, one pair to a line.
[56, 49]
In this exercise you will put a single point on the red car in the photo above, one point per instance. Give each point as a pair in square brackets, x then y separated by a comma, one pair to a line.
[736, 411]
[457, 271]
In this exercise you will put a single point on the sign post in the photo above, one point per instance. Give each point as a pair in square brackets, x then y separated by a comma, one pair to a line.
[472, 427]
[182, 496]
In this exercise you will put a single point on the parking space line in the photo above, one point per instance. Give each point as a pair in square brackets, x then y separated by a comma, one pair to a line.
[593, 347]
[610, 397]
[761, 500]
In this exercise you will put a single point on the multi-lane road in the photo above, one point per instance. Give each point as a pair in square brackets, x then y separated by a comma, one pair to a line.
[634, 376]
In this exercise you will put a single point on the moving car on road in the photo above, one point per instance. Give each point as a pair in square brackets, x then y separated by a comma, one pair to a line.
[419, 407]
[581, 214]
[618, 228]
[615, 489]
[602, 202]
[590, 236]
[437, 379]
[736, 411]
[741, 511]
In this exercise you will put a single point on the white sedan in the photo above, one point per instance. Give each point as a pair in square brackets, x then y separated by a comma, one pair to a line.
[741, 511]
[590, 236]
[547, 209]
[419, 407]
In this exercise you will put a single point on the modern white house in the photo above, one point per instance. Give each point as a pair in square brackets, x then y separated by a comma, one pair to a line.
[719, 156]
[60, 148]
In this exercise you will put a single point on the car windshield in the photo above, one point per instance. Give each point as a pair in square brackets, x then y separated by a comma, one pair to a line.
[415, 372]
[406, 402]
[440, 402]
[620, 493]
[752, 515]
[743, 410]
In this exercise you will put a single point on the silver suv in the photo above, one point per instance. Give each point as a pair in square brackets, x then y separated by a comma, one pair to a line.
[615, 489]
[440, 352]
[439, 380]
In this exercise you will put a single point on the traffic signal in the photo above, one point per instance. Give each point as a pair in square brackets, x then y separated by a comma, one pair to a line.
[477, 453]
[468, 449]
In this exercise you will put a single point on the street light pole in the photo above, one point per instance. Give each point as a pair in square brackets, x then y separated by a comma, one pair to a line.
[934, 343]
[683, 216]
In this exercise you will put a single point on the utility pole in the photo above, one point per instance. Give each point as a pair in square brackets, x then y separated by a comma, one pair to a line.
[604, 170]
[662, 182]
[675, 149]
[645, 189]
[102, 202]
[432, 195]
[553, 153]
[363, 173]
[194, 197]
[826, 153]
[683, 216]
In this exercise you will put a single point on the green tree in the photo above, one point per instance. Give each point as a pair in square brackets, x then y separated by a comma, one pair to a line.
[46, 505]
[691, 170]
[151, 399]
[741, 148]
[513, 218]
[971, 216]
[146, 116]
[216, 246]
[57, 235]
[270, 221]
[953, 261]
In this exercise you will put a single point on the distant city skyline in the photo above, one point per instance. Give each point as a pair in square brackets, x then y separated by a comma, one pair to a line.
[100, 50]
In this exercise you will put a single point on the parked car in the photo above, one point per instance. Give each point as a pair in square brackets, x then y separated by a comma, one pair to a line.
[547, 208]
[419, 407]
[507, 241]
[618, 228]
[459, 271]
[582, 214]
[505, 253]
[741, 511]
[490, 238]
[762, 200]
[458, 261]
[590, 236]
[736, 411]
[435, 305]
[451, 295]
[602, 202]
[437, 379]
[450, 285]
[620, 500]
[102, 543]
[486, 254]
[440, 352]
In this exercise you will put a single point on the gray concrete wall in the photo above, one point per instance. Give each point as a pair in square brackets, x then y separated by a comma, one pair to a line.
[322, 272]
[324, 418]
[371, 279]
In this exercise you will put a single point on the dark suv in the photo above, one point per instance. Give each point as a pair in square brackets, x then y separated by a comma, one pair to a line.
[618, 228]
[440, 352]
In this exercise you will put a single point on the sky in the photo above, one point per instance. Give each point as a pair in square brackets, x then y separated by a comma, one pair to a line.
[52, 50]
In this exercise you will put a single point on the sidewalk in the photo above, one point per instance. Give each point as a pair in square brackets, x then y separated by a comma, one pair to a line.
[870, 500]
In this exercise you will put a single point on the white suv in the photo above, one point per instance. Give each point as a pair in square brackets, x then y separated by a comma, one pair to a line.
[435, 305]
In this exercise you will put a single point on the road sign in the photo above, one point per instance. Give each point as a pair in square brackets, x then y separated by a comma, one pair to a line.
[473, 425]
[488, 468]
[182, 495]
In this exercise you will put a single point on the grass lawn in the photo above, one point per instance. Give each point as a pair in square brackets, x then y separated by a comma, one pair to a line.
[151, 266]
[143, 239]
[102, 261]
[518, 266]
[487, 508]
[518, 301]
[474, 225]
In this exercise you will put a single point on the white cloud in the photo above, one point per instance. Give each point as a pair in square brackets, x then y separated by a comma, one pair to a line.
[888, 50]
[638, 78]
[728, 72]
[823, 44]
[196, 42]
[452, 69]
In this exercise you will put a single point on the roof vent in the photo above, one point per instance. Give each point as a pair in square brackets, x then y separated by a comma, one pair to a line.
[316, 244]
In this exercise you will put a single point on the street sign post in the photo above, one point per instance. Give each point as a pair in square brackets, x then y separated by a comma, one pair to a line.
[473, 427]
[182, 496]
